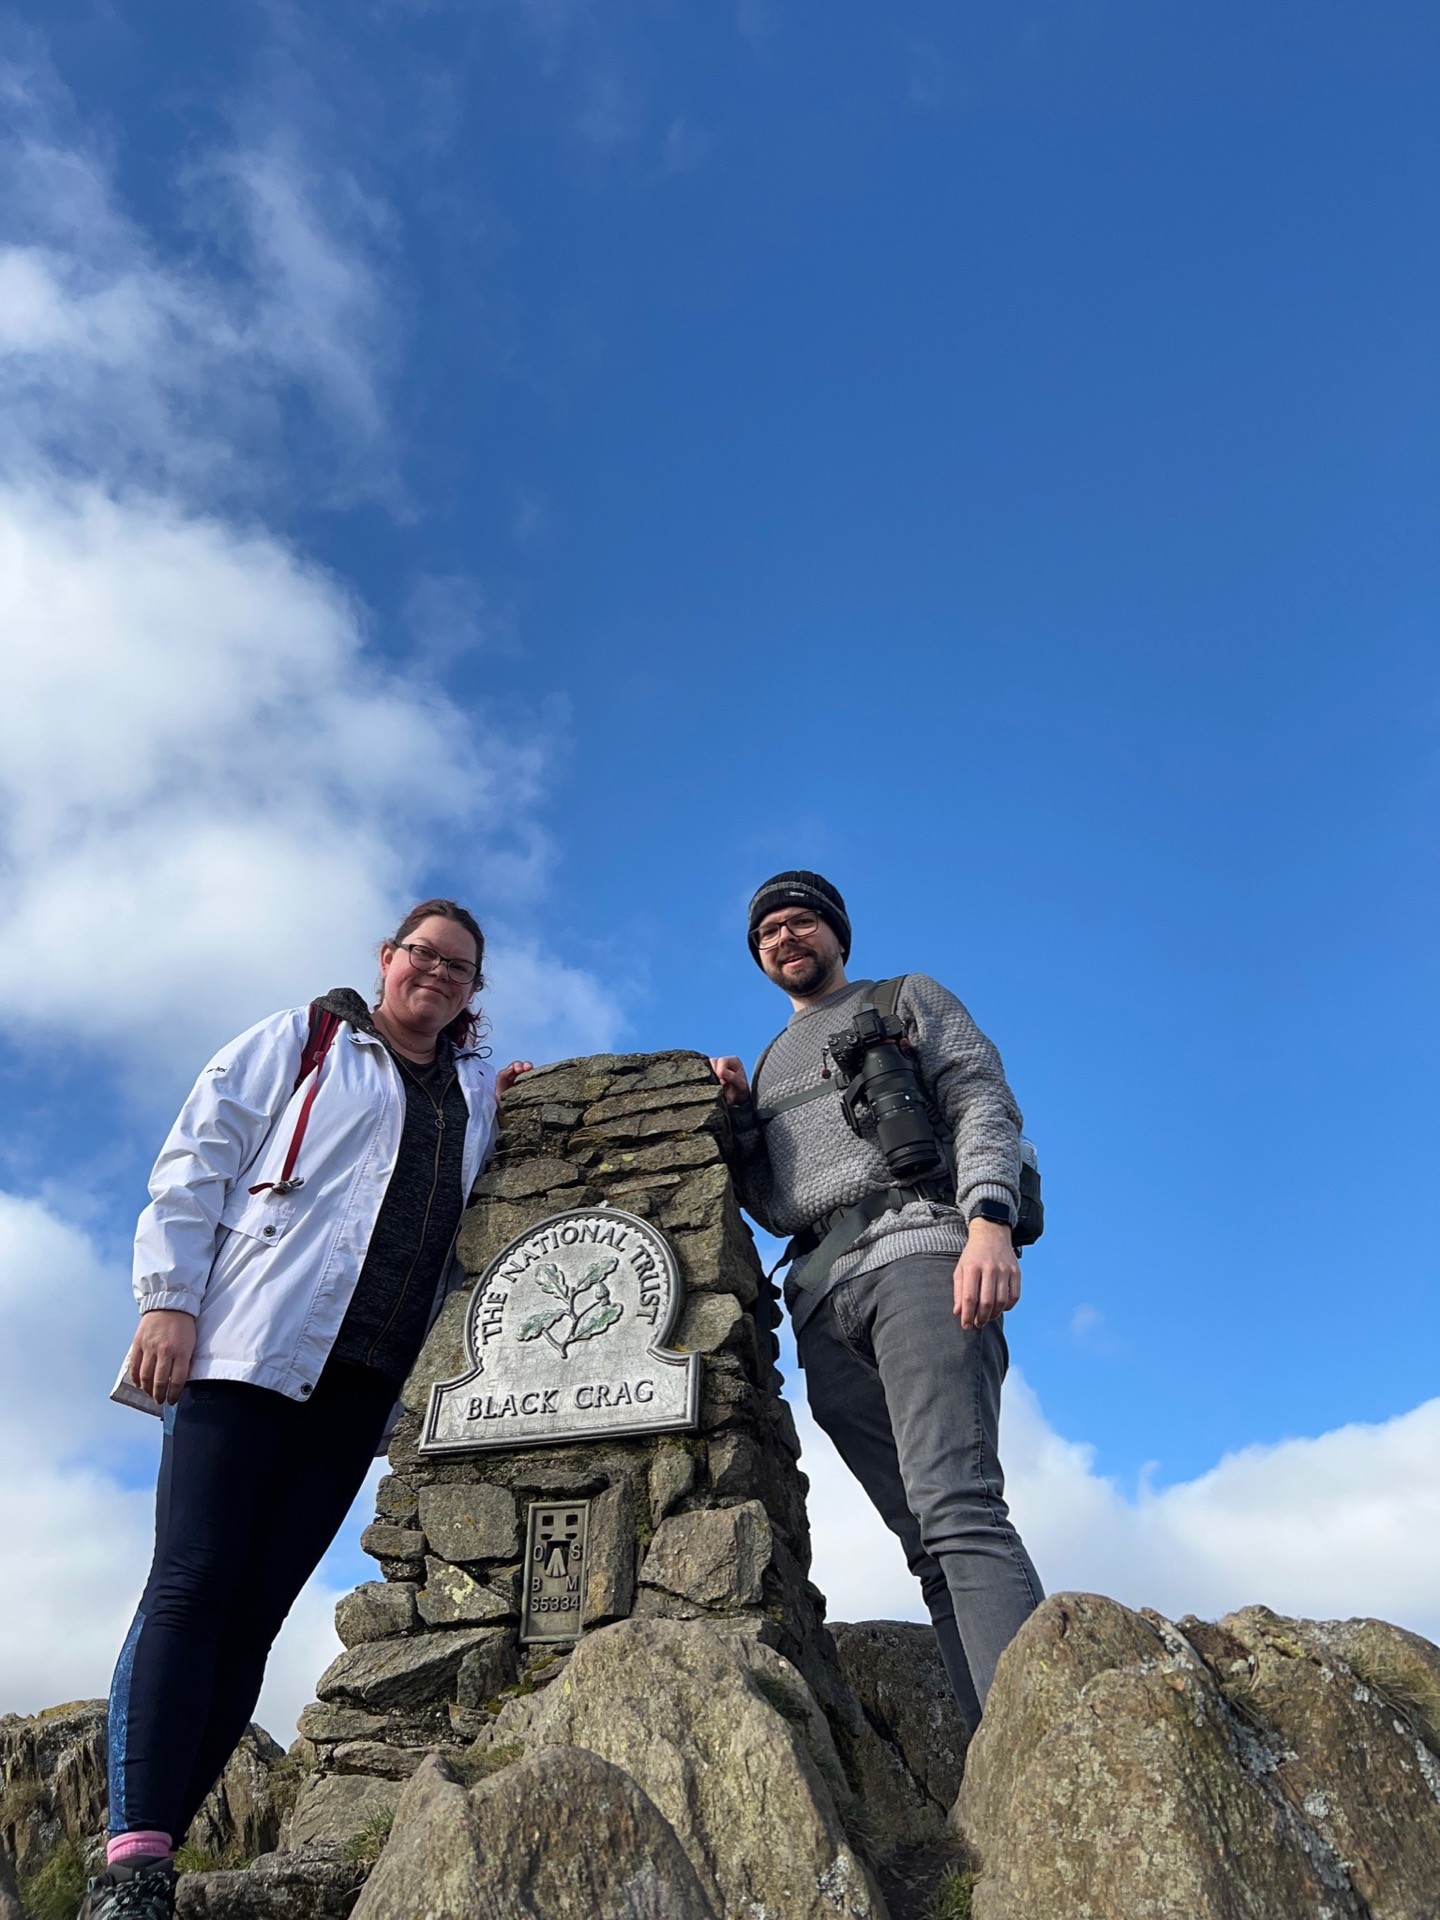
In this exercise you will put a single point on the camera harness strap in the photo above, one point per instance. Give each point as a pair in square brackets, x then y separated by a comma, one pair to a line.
[835, 1233]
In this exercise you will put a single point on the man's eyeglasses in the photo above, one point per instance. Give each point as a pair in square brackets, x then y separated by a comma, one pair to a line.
[800, 924]
[425, 960]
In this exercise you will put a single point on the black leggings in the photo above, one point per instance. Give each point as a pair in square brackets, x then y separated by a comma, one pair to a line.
[253, 1488]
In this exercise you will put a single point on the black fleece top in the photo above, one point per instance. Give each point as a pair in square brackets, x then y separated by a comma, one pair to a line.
[389, 1313]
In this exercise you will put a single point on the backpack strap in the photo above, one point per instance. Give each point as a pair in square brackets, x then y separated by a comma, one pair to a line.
[883, 999]
[324, 1026]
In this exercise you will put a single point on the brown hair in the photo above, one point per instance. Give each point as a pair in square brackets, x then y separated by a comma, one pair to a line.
[468, 1025]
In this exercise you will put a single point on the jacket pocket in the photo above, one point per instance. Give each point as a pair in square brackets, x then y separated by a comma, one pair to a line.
[258, 1216]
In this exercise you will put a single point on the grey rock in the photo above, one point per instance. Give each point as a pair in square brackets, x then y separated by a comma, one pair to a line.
[10, 1907]
[1348, 1762]
[708, 1323]
[680, 1105]
[241, 1816]
[1109, 1766]
[450, 1595]
[536, 1174]
[672, 1475]
[338, 1807]
[560, 1835]
[376, 1757]
[714, 1557]
[695, 1150]
[679, 1709]
[397, 1501]
[716, 1259]
[321, 1721]
[489, 1666]
[312, 1883]
[895, 1669]
[474, 1522]
[610, 1573]
[734, 1464]
[416, 1670]
[384, 1541]
[373, 1611]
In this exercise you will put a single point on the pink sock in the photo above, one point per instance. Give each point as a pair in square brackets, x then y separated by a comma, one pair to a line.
[145, 1845]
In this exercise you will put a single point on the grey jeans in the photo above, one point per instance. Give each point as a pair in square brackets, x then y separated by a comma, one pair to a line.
[912, 1403]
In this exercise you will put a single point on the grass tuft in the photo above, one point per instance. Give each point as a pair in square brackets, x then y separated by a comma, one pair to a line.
[55, 1891]
[367, 1843]
[952, 1899]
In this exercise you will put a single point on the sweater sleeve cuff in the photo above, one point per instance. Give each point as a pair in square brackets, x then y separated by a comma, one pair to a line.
[171, 1300]
[988, 1190]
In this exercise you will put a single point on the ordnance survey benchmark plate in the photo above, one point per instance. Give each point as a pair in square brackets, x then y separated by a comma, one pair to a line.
[566, 1333]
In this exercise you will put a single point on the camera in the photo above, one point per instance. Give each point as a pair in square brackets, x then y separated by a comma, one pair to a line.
[875, 1073]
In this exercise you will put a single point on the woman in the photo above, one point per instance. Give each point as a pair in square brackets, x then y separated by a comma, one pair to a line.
[297, 1247]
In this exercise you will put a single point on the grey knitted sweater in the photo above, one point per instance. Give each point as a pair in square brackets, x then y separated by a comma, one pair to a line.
[807, 1162]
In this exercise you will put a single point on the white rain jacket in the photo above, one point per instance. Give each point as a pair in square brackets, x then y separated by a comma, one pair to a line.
[269, 1278]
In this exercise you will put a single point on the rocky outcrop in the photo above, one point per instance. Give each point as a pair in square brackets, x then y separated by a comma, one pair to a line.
[724, 1740]
[1255, 1769]
[560, 1835]
[54, 1796]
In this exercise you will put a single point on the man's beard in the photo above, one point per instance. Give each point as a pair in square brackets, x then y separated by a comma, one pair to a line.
[805, 980]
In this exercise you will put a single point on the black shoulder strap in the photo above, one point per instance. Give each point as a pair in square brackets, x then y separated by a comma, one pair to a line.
[887, 993]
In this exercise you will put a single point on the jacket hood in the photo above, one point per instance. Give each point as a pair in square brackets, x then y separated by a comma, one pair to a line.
[354, 1008]
[349, 1005]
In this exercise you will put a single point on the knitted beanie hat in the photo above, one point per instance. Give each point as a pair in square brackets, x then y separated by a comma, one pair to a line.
[800, 889]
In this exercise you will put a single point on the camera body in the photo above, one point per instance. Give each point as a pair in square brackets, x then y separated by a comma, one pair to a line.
[875, 1072]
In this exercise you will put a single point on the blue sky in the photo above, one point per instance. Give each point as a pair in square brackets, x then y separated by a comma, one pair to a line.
[588, 458]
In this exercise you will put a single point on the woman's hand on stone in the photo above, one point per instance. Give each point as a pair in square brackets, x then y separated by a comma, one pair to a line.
[161, 1352]
[507, 1076]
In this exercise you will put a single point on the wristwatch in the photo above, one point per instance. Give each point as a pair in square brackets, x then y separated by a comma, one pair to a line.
[994, 1210]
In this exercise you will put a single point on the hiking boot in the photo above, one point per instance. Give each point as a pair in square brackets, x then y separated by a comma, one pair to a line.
[134, 1890]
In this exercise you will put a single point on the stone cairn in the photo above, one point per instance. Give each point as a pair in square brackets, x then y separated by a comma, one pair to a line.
[683, 1526]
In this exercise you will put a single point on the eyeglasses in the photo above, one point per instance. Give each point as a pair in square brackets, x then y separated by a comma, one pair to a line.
[426, 960]
[800, 924]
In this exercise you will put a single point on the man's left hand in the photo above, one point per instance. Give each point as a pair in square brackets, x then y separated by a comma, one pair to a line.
[987, 1275]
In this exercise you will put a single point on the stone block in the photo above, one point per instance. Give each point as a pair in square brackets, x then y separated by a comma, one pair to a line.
[373, 1611]
[715, 1260]
[466, 1523]
[672, 1475]
[694, 1150]
[325, 1722]
[610, 1555]
[415, 1670]
[539, 1174]
[708, 1322]
[396, 1501]
[376, 1757]
[451, 1595]
[383, 1541]
[715, 1558]
[490, 1665]
[734, 1464]
[310, 1883]
[337, 1807]
[683, 1107]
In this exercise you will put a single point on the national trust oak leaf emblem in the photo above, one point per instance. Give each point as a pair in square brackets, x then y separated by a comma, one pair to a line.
[586, 1308]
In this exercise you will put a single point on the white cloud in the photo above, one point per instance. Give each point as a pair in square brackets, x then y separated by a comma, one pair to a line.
[1344, 1523]
[216, 796]
[79, 1525]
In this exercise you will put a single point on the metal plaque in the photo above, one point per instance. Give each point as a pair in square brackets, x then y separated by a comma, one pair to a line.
[566, 1335]
[555, 1544]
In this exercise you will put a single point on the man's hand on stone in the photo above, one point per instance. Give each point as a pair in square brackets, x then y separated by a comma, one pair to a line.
[987, 1275]
[729, 1070]
[161, 1352]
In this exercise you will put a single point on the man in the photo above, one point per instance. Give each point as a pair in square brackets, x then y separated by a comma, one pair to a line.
[898, 1316]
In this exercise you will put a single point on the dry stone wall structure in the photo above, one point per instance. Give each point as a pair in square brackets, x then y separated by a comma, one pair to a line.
[706, 1525]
